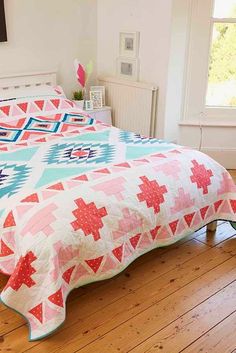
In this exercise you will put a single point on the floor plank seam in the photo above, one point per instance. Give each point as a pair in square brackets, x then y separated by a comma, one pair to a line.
[201, 241]
[205, 333]
[114, 328]
[182, 314]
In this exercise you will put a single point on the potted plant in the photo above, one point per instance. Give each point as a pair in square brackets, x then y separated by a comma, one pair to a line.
[78, 98]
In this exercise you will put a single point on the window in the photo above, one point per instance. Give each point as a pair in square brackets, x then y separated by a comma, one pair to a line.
[221, 90]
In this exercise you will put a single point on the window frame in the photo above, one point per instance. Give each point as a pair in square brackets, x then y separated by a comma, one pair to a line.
[200, 28]
[219, 112]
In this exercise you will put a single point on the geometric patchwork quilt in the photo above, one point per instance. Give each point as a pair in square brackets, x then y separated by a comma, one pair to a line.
[80, 200]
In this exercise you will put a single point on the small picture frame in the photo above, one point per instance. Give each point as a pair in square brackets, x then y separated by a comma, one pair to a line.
[96, 98]
[88, 105]
[129, 44]
[128, 68]
[102, 89]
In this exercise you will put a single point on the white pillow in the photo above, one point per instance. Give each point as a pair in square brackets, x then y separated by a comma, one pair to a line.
[23, 92]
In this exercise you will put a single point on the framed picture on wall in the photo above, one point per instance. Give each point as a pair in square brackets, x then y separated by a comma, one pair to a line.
[128, 68]
[3, 30]
[129, 44]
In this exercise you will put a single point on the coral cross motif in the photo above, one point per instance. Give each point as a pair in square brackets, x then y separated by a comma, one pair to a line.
[152, 193]
[23, 272]
[201, 176]
[88, 218]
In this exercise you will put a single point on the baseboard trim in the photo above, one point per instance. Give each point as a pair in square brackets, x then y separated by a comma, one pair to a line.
[226, 157]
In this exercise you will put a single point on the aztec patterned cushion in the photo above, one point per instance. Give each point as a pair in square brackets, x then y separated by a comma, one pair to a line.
[80, 200]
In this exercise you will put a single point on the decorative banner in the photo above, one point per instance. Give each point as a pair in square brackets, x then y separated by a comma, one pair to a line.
[80, 73]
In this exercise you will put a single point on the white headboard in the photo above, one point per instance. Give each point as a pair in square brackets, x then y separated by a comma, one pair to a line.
[17, 81]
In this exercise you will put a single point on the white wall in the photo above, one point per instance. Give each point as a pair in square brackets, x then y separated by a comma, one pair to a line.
[153, 19]
[176, 69]
[49, 34]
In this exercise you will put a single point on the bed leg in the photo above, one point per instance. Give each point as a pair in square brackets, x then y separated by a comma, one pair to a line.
[211, 227]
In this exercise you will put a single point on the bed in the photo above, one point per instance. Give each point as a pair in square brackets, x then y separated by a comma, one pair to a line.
[81, 200]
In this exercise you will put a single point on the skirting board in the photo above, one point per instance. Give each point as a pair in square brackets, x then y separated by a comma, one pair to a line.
[226, 157]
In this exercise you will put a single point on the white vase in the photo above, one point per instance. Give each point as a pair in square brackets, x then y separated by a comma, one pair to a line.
[79, 104]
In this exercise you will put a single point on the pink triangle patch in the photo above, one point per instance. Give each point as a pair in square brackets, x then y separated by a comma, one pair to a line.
[16, 111]
[210, 212]
[9, 237]
[117, 234]
[197, 220]
[49, 106]
[181, 227]
[79, 273]
[109, 265]
[144, 241]
[127, 252]
[49, 313]
[33, 108]
[164, 234]
[225, 208]
[64, 105]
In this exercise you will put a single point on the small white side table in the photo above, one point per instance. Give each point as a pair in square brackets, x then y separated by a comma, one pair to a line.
[103, 114]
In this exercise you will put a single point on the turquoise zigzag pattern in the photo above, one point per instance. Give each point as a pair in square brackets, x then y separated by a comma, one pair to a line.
[14, 180]
[130, 137]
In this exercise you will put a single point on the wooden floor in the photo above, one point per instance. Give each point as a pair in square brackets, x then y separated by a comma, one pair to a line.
[177, 299]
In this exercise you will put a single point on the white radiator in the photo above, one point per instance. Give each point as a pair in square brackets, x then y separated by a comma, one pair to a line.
[134, 104]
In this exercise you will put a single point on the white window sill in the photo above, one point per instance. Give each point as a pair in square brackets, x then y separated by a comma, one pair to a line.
[208, 123]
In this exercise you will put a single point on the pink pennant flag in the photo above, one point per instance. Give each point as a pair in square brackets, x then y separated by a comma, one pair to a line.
[80, 73]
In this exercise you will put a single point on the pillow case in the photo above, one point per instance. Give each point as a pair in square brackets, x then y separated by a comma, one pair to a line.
[24, 92]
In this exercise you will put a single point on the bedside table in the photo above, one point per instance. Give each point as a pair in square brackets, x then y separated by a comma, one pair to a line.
[103, 114]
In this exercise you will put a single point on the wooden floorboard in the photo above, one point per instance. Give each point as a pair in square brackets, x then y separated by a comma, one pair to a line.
[172, 300]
